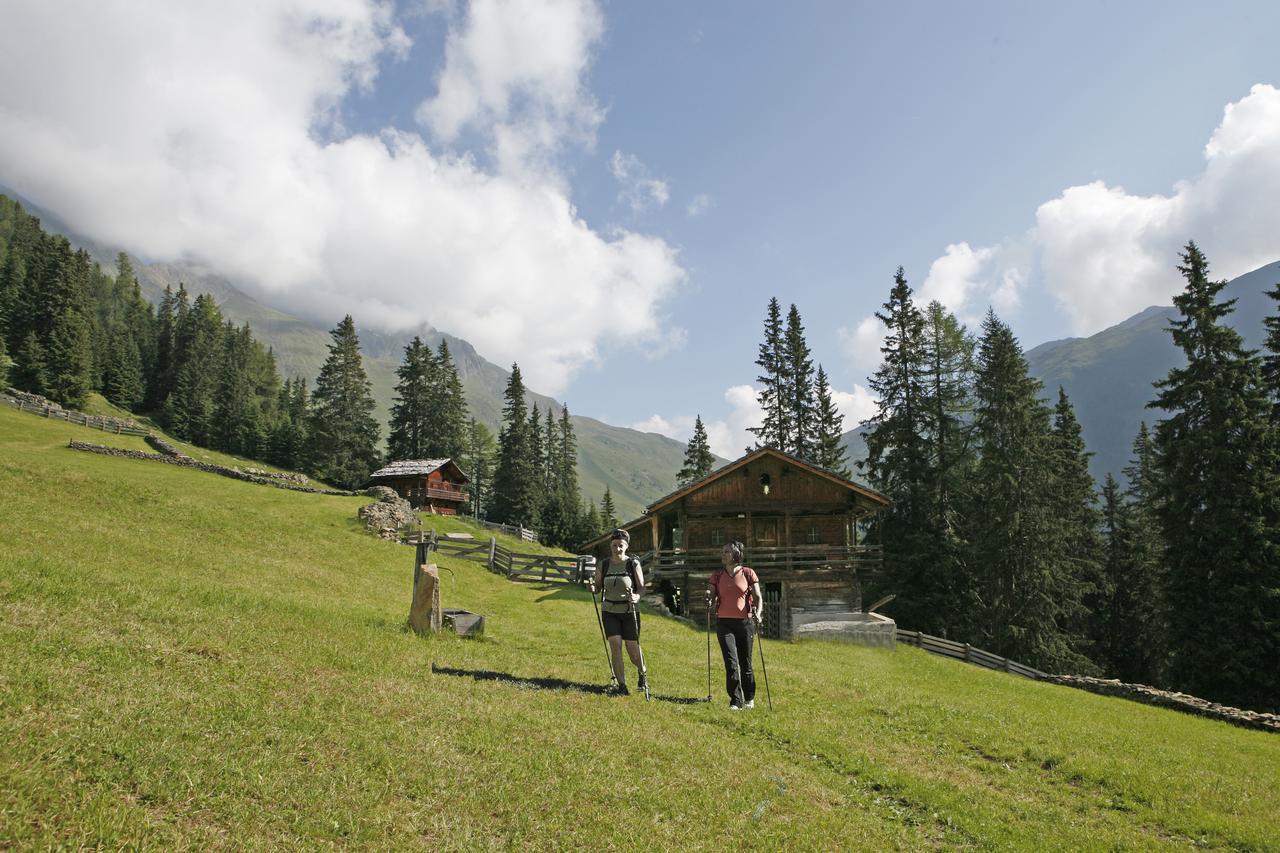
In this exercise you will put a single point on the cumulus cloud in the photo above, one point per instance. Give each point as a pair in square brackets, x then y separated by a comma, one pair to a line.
[636, 188]
[514, 70]
[862, 344]
[1104, 254]
[857, 405]
[207, 133]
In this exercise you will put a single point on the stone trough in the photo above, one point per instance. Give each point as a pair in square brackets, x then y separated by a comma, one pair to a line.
[865, 629]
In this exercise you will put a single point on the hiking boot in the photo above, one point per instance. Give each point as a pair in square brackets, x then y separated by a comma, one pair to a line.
[643, 684]
[621, 690]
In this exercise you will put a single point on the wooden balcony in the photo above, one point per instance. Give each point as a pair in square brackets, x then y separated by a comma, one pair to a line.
[798, 560]
[436, 493]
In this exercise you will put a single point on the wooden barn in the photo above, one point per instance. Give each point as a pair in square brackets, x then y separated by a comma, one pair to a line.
[433, 485]
[799, 524]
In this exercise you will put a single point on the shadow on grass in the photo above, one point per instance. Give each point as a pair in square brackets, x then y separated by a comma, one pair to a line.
[533, 683]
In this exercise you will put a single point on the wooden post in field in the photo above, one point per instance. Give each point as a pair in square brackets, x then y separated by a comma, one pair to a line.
[493, 546]
[424, 612]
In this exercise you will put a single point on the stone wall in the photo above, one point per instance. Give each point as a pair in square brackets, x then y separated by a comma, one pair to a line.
[187, 462]
[1170, 699]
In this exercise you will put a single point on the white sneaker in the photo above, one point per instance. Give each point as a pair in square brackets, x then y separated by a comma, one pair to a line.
[735, 707]
[750, 704]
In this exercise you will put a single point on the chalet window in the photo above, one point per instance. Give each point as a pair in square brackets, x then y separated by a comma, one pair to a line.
[717, 537]
[813, 536]
[765, 484]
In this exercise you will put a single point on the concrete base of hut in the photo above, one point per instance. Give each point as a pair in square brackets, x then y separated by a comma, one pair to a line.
[865, 629]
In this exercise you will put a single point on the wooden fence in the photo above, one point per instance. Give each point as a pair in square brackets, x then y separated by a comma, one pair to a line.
[966, 653]
[544, 568]
[102, 422]
[515, 530]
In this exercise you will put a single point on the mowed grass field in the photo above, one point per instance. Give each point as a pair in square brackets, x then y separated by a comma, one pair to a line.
[191, 661]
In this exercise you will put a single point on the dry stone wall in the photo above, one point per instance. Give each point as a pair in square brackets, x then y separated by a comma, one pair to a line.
[187, 462]
[1170, 699]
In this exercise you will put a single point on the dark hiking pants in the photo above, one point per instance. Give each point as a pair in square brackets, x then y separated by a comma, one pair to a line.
[735, 637]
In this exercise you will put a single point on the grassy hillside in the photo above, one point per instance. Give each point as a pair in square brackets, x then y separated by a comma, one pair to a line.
[187, 660]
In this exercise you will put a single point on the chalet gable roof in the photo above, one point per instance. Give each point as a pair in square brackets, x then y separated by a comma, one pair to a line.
[418, 468]
[870, 494]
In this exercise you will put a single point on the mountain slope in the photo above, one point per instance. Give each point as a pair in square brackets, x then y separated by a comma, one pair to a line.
[1109, 375]
[193, 662]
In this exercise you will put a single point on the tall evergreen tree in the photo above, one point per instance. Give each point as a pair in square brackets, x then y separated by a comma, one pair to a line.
[411, 409]
[344, 433]
[478, 462]
[198, 352]
[452, 422]
[608, 514]
[1271, 361]
[798, 369]
[897, 465]
[1024, 588]
[774, 394]
[515, 495]
[698, 459]
[123, 381]
[1076, 515]
[1219, 504]
[828, 452]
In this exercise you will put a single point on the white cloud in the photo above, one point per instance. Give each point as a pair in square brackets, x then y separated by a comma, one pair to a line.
[514, 70]
[728, 437]
[862, 344]
[206, 133]
[698, 205]
[857, 405]
[636, 188]
[1106, 253]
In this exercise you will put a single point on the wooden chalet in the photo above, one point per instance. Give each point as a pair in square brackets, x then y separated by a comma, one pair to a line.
[433, 485]
[799, 524]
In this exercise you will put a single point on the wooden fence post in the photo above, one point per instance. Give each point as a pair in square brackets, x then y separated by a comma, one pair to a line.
[493, 546]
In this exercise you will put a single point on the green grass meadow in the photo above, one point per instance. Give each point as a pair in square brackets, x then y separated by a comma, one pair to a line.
[192, 661]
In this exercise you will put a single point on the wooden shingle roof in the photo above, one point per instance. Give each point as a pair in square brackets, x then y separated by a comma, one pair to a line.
[417, 468]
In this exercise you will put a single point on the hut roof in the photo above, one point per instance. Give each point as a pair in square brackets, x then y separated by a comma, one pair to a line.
[417, 468]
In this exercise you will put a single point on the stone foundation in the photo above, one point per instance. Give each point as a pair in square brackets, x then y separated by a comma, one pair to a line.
[865, 629]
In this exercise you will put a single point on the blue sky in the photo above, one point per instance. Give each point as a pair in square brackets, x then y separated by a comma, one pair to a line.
[610, 193]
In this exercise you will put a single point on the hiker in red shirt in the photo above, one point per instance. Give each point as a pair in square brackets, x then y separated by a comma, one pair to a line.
[734, 591]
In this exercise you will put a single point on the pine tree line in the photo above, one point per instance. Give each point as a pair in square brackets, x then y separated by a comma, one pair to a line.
[999, 536]
[799, 413]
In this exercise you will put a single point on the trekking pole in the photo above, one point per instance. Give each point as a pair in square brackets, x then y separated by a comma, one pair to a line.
[608, 658]
[763, 668]
[644, 671]
[708, 646]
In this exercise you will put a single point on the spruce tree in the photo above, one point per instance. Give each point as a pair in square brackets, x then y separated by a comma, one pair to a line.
[774, 394]
[30, 371]
[608, 514]
[123, 382]
[1023, 586]
[478, 461]
[698, 459]
[801, 408]
[452, 438]
[1219, 504]
[828, 451]
[197, 363]
[896, 463]
[1078, 521]
[68, 340]
[1271, 361]
[515, 495]
[344, 433]
[411, 407]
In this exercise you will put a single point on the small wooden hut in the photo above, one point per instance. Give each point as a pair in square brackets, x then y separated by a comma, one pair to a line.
[432, 485]
[799, 524]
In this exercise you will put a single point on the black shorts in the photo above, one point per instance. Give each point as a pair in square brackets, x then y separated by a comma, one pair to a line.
[625, 625]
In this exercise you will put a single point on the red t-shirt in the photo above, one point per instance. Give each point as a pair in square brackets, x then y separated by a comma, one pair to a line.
[732, 591]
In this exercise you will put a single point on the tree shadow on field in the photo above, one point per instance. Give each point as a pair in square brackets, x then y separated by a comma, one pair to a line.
[536, 683]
